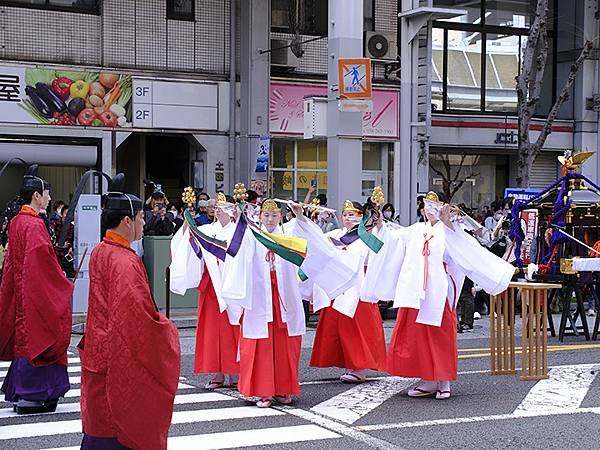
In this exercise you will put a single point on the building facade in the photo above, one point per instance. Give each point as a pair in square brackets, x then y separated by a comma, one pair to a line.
[185, 92]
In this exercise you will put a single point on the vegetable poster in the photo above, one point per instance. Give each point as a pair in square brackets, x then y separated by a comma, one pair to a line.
[65, 97]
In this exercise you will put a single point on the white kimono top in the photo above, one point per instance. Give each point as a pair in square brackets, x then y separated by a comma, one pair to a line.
[247, 285]
[424, 265]
[187, 269]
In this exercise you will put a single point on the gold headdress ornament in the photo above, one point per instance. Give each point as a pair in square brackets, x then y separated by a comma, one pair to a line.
[239, 192]
[349, 206]
[189, 197]
[377, 196]
[270, 205]
[221, 199]
[433, 197]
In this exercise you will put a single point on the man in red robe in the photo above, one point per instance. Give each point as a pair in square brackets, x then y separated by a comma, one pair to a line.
[35, 308]
[130, 357]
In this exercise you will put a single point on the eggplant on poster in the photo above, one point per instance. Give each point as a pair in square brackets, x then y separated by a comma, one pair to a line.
[65, 97]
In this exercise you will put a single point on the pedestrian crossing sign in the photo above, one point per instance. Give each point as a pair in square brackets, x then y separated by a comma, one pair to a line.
[354, 78]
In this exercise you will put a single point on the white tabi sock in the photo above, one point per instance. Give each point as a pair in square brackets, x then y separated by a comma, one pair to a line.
[429, 386]
[444, 386]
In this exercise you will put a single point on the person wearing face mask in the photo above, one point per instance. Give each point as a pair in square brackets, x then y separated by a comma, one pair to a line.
[422, 268]
[491, 222]
[216, 337]
[35, 308]
[389, 212]
[266, 287]
[130, 354]
[350, 330]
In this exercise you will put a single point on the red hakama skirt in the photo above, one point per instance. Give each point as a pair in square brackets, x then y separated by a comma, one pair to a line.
[269, 366]
[350, 343]
[216, 338]
[423, 351]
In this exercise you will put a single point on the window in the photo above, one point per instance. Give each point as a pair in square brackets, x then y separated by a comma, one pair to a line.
[369, 15]
[294, 164]
[180, 10]
[306, 17]
[82, 6]
[476, 57]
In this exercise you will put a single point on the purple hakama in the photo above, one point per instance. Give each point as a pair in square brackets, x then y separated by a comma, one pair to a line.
[24, 381]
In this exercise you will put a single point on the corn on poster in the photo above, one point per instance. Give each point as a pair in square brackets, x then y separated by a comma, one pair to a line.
[65, 97]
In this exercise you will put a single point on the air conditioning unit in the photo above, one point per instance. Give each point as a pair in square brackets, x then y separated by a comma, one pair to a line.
[380, 45]
[281, 54]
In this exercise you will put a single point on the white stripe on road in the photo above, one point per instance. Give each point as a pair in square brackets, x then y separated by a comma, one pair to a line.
[77, 380]
[62, 408]
[6, 364]
[185, 399]
[236, 439]
[179, 417]
[360, 400]
[256, 437]
[70, 369]
[459, 420]
[563, 390]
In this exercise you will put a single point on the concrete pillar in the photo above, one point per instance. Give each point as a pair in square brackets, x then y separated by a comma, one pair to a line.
[254, 76]
[406, 161]
[590, 85]
[586, 84]
[344, 129]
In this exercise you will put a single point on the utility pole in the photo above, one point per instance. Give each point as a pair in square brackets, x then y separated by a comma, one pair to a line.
[344, 129]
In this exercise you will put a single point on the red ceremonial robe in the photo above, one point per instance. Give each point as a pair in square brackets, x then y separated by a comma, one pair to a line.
[216, 339]
[35, 296]
[269, 366]
[130, 359]
[354, 343]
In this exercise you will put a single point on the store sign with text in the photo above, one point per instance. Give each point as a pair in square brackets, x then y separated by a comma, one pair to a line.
[529, 223]
[286, 110]
[32, 95]
[175, 104]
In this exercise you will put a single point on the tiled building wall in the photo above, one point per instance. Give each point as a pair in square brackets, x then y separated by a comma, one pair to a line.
[128, 34]
[136, 34]
[314, 60]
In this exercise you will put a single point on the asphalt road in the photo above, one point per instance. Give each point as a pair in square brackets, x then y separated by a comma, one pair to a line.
[484, 411]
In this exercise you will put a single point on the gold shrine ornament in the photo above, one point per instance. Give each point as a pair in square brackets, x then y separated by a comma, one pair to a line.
[239, 192]
[377, 196]
[189, 197]
[270, 205]
[349, 206]
[572, 161]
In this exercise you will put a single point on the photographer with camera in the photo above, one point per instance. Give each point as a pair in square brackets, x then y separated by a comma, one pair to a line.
[159, 222]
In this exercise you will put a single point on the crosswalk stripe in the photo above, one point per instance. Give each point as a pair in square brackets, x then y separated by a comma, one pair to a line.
[6, 364]
[461, 420]
[358, 401]
[62, 408]
[245, 438]
[179, 417]
[184, 399]
[70, 369]
[564, 389]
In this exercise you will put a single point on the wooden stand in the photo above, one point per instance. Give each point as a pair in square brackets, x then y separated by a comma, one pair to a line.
[534, 313]
[502, 333]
